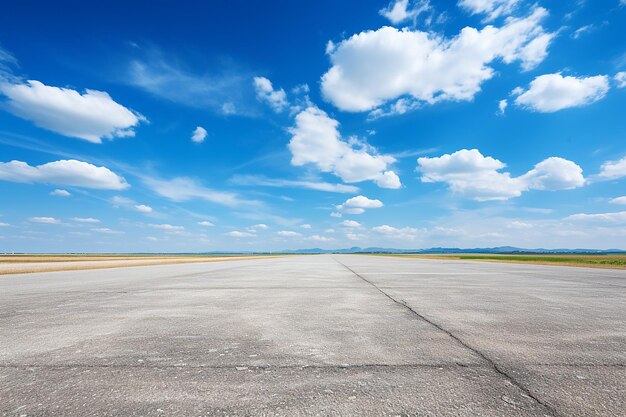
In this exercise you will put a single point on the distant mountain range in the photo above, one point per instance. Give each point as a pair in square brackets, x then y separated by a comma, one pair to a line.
[499, 249]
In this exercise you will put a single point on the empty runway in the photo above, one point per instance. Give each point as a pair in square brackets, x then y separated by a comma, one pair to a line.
[315, 335]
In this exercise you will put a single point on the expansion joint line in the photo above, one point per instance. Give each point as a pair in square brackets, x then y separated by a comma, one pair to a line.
[477, 352]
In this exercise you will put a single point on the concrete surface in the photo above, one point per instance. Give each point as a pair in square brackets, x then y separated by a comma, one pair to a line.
[315, 335]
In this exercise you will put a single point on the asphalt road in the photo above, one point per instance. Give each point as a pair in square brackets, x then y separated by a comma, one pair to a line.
[315, 335]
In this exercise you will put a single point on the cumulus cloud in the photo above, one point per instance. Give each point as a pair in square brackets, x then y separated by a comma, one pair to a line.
[277, 99]
[46, 220]
[373, 68]
[287, 233]
[142, 208]
[354, 236]
[553, 92]
[91, 116]
[358, 204]
[469, 173]
[405, 233]
[554, 174]
[502, 105]
[620, 79]
[60, 193]
[305, 226]
[199, 134]
[611, 170]
[492, 9]
[237, 233]
[65, 172]
[618, 217]
[399, 11]
[350, 223]
[618, 200]
[318, 238]
[85, 220]
[167, 227]
[206, 223]
[130, 204]
[316, 141]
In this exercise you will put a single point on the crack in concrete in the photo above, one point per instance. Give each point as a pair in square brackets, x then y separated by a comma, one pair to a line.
[270, 367]
[247, 366]
[476, 351]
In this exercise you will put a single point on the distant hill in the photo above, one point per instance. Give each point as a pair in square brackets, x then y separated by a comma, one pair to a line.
[499, 249]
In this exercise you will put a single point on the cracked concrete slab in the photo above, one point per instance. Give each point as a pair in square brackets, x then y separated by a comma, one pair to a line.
[314, 335]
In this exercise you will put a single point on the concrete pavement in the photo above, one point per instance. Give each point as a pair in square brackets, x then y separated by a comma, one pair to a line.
[315, 335]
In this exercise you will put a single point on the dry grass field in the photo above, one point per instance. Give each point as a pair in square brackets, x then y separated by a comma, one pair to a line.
[20, 264]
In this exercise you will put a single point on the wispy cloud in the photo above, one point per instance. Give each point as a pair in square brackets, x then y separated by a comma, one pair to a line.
[282, 183]
[181, 189]
[226, 90]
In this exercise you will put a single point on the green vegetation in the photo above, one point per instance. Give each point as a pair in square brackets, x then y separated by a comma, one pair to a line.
[601, 261]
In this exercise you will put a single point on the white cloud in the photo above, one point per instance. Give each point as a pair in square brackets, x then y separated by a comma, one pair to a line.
[206, 223]
[469, 173]
[47, 220]
[582, 30]
[618, 200]
[553, 92]
[350, 223]
[611, 170]
[363, 202]
[305, 226]
[554, 174]
[335, 214]
[131, 204]
[64, 172]
[618, 217]
[288, 233]
[372, 68]
[399, 11]
[502, 105]
[91, 116]
[349, 210]
[198, 135]
[620, 79]
[107, 230]
[4, 224]
[281, 183]
[142, 208]
[277, 99]
[405, 233]
[184, 189]
[358, 204]
[226, 90]
[315, 140]
[60, 193]
[318, 238]
[167, 227]
[354, 236]
[516, 224]
[237, 233]
[491, 8]
[260, 226]
[85, 220]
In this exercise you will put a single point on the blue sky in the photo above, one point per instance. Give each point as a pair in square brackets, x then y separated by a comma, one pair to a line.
[174, 126]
